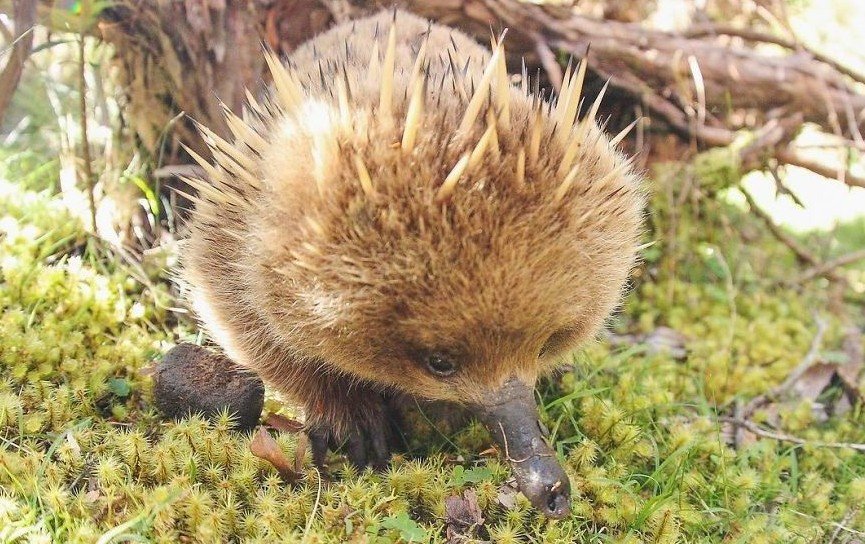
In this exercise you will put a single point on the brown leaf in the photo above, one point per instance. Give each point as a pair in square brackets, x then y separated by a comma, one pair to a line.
[265, 447]
[283, 424]
[463, 515]
[814, 380]
[300, 452]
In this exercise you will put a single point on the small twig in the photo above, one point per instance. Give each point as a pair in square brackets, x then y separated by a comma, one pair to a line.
[782, 188]
[85, 141]
[787, 156]
[757, 36]
[792, 378]
[311, 518]
[507, 451]
[842, 525]
[823, 268]
[801, 252]
[784, 437]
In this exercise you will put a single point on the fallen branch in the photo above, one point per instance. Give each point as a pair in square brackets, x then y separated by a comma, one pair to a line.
[791, 158]
[756, 36]
[830, 266]
[802, 253]
[784, 437]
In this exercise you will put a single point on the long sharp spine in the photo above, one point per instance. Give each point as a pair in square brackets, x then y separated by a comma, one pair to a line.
[363, 176]
[386, 96]
[503, 88]
[568, 114]
[521, 167]
[287, 88]
[419, 62]
[450, 182]
[535, 139]
[566, 184]
[414, 115]
[624, 132]
[477, 153]
[481, 92]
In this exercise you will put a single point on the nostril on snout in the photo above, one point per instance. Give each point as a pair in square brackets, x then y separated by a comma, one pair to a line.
[557, 503]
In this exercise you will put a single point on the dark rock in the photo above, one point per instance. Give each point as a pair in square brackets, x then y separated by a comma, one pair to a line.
[191, 379]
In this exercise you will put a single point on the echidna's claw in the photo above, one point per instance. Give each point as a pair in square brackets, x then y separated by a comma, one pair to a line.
[367, 438]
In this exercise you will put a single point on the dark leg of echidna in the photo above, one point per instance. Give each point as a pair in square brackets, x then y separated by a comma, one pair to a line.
[350, 417]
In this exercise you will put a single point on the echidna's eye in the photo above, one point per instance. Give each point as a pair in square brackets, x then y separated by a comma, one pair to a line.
[440, 365]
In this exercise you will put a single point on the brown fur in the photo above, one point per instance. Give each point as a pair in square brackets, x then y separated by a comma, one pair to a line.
[334, 293]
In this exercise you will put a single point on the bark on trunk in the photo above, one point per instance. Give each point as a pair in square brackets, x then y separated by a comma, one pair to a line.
[20, 44]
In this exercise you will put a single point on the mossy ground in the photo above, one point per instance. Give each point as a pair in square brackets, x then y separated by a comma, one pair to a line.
[85, 458]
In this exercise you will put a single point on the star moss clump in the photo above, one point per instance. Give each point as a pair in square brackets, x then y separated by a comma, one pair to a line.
[85, 458]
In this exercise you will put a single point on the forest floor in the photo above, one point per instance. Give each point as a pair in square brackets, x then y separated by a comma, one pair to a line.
[645, 419]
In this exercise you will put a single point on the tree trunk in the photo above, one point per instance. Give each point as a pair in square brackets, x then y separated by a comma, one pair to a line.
[20, 43]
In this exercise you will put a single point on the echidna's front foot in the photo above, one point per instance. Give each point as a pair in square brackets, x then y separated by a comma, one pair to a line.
[365, 430]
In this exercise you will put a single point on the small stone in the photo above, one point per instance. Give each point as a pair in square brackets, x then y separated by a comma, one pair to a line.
[191, 379]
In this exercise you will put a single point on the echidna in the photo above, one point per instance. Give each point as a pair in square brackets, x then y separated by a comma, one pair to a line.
[397, 217]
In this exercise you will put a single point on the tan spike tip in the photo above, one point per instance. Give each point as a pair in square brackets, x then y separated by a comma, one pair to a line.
[343, 98]
[503, 88]
[524, 77]
[563, 92]
[481, 93]
[414, 115]
[242, 131]
[566, 184]
[521, 167]
[386, 96]
[225, 148]
[288, 90]
[253, 103]
[419, 62]
[450, 182]
[593, 112]
[492, 123]
[574, 90]
[574, 145]
[478, 152]
[535, 139]
[624, 132]
[363, 176]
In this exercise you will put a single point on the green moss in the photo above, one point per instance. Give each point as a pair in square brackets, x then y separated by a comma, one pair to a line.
[83, 455]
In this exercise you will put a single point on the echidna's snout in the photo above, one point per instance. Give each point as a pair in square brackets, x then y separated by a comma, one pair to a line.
[511, 415]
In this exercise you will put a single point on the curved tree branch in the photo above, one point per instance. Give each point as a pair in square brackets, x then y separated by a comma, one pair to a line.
[24, 15]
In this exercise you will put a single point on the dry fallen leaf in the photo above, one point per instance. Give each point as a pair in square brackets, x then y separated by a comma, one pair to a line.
[300, 452]
[814, 380]
[265, 447]
[283, 424]
[463, 515]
